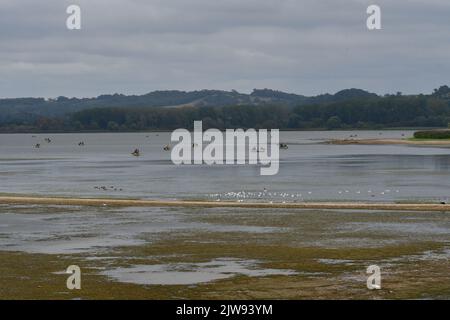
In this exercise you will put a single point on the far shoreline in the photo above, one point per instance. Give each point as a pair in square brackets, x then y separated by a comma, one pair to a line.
[411, 141]
[223, 130]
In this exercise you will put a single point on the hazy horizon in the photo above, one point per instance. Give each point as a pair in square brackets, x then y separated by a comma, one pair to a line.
[215, 89]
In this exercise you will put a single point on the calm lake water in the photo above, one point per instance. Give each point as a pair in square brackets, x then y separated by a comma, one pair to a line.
[109, 239]
[309, 170]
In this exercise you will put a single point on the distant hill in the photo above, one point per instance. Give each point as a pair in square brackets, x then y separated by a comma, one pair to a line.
[263, 108]
[29, 109]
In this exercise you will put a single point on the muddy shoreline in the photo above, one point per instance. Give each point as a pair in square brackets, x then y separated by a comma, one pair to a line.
[225, 253]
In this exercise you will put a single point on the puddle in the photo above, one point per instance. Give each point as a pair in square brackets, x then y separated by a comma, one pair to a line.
[190, 274]
[76, 246]
[336, 261]
[421, 228]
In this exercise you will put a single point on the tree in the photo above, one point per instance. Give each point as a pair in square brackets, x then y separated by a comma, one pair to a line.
[334, 122]
[442, 92]
[113, 126]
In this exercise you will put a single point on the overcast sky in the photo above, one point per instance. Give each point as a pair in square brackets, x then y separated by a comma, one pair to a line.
[301, 46]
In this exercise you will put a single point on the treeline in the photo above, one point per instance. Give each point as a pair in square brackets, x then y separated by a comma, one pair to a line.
[394, 111]
[368, 112]
[26, 110]
[358, 113]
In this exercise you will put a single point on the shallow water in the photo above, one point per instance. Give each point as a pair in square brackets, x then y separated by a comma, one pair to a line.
[111, 239]
[186, 274]
[309, 170]
[63, 230]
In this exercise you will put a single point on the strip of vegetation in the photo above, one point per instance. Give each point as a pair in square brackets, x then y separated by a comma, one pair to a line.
[432, 134]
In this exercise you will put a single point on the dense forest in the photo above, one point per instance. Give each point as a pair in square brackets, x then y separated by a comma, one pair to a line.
[168, 110]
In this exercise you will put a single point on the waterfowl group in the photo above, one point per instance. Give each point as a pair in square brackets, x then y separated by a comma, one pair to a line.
[260, 149]
[135, 153]
[48, 140]
[104, 188]
[38, 145]
[259, 195]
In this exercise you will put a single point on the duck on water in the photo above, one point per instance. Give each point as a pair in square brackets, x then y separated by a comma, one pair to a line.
[136, 153]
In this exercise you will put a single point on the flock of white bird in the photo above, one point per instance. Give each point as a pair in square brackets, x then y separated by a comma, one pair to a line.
[265, 195]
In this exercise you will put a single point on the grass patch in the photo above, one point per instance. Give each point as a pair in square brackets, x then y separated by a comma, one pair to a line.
[433, 134]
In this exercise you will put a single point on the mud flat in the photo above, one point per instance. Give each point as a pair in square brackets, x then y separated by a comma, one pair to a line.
[222, 254]
[320, 273]
[97, 202]
[418, 142]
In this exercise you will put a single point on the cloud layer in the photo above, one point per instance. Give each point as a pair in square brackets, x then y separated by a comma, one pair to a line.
[301, 46]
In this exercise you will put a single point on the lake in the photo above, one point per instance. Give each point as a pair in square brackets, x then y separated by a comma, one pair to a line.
[309, 169]
[222, 253]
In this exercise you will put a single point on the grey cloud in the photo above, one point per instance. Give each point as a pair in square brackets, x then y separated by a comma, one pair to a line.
[302, 46]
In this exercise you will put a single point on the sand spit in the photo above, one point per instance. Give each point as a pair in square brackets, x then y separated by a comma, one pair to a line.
[389, 142]
[223, 204]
